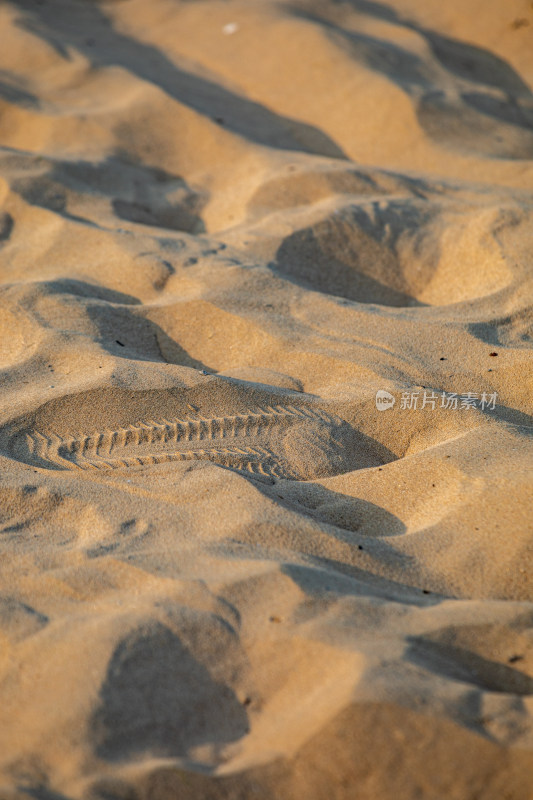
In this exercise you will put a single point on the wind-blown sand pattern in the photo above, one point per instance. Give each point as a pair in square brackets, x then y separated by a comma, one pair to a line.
[225, 573]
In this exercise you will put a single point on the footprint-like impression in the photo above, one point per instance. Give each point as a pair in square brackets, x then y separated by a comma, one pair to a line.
[275, 440]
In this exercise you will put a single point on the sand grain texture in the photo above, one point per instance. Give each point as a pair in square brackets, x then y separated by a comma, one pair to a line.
[225, 574]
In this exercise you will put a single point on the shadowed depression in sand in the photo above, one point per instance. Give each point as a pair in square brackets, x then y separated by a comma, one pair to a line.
[226, 572]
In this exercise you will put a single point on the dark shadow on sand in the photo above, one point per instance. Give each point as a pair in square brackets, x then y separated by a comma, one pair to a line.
[7, 224]
[346, 513]
[138, 193]
[318, 575]
[465, 665]
[158, 699]
[71, 23]
[352, 253]
[490, 110]
[13, 93]
[121, 331]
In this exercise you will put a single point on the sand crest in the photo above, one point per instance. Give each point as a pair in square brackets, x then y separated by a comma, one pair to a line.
[266, 400]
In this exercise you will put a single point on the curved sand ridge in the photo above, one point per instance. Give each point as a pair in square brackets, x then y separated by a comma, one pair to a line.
[224, 572]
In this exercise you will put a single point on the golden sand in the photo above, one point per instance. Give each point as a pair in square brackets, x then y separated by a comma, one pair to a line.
[225, 571]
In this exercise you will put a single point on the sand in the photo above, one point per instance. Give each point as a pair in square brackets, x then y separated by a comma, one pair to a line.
[226, 570]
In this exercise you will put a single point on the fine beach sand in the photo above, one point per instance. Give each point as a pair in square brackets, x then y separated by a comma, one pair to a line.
[224, 572]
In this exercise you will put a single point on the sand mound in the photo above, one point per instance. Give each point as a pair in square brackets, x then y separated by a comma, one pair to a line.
[265, 423]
